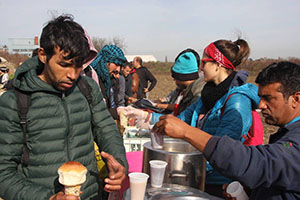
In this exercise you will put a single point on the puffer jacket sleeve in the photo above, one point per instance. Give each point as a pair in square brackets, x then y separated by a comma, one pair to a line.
[274, 165]
[13, 185]
[107, 134]
[187, 114]
[236, 118]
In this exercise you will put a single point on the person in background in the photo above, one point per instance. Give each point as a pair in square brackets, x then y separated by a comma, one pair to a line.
[226, 103]
[4, 76]
[126, 83]
[116, 98]
[106, 64]
[145, 76]
[189, 83]
[61, 126]
[272, 171]
[135, 84]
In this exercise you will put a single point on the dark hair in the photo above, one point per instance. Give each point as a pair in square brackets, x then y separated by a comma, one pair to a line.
[139, 60]
[127, 64]
[236, 52]
[68, 35]
[35, 52]
[285, 73]
[192, 51]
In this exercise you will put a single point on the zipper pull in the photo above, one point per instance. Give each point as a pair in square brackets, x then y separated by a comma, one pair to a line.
[63, 96]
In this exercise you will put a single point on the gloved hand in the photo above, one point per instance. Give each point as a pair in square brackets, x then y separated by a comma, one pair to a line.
[143, 118]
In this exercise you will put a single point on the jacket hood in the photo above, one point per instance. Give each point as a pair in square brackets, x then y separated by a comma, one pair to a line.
[239, 85]
[26, 77]
[240, 78]
[248, 89]
[93, 52]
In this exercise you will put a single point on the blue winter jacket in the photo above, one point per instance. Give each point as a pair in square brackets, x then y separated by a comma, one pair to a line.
[235, 121]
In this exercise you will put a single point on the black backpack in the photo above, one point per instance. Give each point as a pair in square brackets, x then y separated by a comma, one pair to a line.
[24, 102]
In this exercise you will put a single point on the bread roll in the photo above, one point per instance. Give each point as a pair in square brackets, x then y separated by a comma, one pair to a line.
[72, 173]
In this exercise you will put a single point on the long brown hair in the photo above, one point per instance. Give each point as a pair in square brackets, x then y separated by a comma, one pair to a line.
[236, 52]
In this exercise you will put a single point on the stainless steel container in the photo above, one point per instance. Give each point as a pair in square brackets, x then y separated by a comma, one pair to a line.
[186, 165]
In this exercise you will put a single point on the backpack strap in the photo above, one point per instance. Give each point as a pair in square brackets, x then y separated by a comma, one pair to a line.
[88, 71]
[86, 90]
[23, 104]
[223, 108]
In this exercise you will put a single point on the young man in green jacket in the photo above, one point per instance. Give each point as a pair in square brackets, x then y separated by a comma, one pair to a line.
[61, 126]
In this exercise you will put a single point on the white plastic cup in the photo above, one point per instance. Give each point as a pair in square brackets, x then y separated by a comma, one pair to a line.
[131, 131]
[157, 139]
[138, 183]
[157, 171]
[235, 189]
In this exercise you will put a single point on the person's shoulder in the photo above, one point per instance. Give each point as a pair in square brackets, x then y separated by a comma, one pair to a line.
[122, 79]
[143, 68]
[8, 99]
[247, 90]
[92, 83]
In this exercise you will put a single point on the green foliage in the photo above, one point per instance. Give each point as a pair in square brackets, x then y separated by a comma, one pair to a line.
[11, 76]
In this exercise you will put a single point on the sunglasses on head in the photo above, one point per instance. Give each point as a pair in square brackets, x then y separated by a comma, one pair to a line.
[205, 60]
[115, 72]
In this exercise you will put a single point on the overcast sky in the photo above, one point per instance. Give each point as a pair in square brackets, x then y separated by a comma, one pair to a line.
[166, 27]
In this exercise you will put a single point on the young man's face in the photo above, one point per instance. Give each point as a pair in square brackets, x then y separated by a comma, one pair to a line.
[182, 84]
[126, 71]
[274, 107]
[58, 72]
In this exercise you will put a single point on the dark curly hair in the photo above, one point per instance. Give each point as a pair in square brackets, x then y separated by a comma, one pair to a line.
[285, 73]
[69, 36]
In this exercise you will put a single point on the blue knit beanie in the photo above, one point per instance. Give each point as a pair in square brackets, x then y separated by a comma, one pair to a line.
[185, 67]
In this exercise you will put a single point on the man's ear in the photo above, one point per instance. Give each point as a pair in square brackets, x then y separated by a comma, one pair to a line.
[296, 99]
[42, 55]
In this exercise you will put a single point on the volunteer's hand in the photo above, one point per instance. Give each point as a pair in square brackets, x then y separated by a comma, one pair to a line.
[143, 118]
[225, 194]
[120, 109]
[131, 99]
[171, 126]
[63, 196]
[116, 173]
[146, 90]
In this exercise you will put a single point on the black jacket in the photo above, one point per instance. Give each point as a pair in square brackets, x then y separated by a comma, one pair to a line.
[145, 75]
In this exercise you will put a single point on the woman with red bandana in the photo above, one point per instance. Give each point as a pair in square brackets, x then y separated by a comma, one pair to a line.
[224, 85]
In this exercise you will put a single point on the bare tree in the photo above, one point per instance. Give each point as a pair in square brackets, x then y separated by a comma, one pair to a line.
[99, 43]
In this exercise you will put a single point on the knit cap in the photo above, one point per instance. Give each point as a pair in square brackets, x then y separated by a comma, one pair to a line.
[185, 67]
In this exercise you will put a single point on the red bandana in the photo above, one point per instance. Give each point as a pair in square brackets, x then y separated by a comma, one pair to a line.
[213, 52]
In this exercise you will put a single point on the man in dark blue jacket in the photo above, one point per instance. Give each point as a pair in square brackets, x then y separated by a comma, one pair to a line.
[272, 171]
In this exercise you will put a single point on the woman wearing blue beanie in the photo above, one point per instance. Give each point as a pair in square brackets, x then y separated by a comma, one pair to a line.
[225, 105]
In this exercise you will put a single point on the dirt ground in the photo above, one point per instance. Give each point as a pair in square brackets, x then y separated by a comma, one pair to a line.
[165, 84]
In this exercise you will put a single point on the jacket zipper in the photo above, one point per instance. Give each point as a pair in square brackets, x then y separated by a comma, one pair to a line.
[68, 125]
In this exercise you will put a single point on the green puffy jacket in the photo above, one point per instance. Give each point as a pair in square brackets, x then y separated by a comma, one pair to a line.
[59, 130]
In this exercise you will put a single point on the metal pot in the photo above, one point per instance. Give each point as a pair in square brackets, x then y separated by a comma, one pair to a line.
[186, 165]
